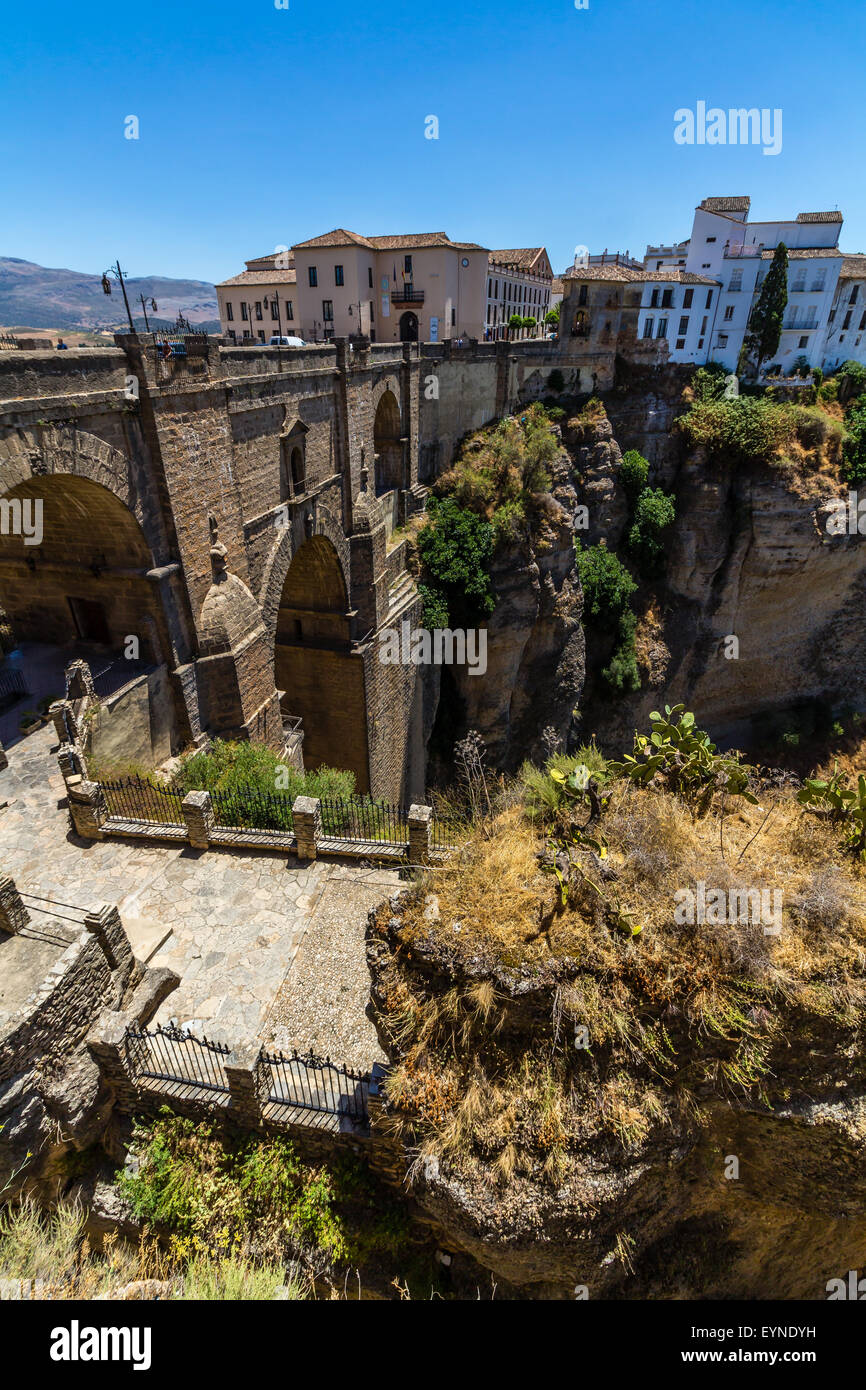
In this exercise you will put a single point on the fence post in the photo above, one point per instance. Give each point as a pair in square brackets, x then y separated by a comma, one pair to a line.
[13, 914]
[104, 923]
[86, 806]
[420, 834]
[198, 816]
[241, 1069]
[106, 1043]
[307, 818]
[63, 718]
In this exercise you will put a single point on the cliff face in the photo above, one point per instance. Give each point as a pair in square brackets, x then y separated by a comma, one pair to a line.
[748, 557]
[535, 644]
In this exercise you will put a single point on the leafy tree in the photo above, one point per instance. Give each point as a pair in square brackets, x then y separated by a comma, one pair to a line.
[765, 322]
[851, 377]
[607, 584]
[708, 382]
[654, 512]
[456, 548]
[854, 448]
[622, 673]
[633, 473]
[552, 316]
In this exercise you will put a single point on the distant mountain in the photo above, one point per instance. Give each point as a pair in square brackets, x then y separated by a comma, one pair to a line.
[67, 299]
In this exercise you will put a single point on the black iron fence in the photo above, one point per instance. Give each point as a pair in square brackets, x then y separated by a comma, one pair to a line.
[253, 808]
[176, 1058]
[134, 798]
[357, 818]
[12, 686]
[313, 1084]
[117, 675]
[447, 832]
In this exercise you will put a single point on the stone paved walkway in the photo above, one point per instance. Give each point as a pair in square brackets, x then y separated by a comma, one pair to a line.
[237, 918]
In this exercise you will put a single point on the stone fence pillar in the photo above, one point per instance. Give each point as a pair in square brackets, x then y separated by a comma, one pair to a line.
[198, 815]
[65, 724]
[307, 818]
[241, 1069]
[105, 924]
[87, 807]
[13, 913]
[106, 1043]
[420, 834]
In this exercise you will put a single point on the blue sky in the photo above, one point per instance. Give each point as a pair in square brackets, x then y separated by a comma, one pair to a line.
[261, 126]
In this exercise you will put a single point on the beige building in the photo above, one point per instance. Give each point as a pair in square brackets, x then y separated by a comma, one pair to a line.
[261, 301]
[519, 281]
[418, 287]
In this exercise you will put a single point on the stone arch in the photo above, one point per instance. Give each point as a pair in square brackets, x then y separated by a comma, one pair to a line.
[85, 578]
[320, 677]
[387, 443]
[65, 449]
[408, 327]
[288, 541]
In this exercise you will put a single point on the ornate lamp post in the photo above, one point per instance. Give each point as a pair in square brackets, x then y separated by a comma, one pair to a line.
[115, 272]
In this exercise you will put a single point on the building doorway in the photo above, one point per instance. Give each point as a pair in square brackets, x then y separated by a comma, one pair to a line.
[409, 328]
[91, 623]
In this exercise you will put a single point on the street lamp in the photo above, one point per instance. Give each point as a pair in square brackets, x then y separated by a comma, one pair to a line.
[153, 306]
[115, 272]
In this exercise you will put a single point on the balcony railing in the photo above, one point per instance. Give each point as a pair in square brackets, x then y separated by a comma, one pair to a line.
[737, 250]
[793, 326]
[402, 295]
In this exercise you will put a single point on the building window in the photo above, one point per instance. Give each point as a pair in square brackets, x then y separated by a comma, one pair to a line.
[831, 315]
[681, 342]
[371, 310]
[804, 342]
[453, 318]
[258, 308]
[700, 343]
[736, 281]
[261, 335]
[314, 277]
[369, 277]
[709, 303]
[846, 322]
[290, 313]
[244, 310]
[648, 328]
[581, 298]
[654, 299]
[709, 239]
[407, 265]
[328, 310]
[233, 335]
[862, 324]
[729, 312]
[703, 325]
[275, 311]
[854, 293]
[818, 281]
[667, 299]
[338, 275]
[687, 299]
[684, 324]
[230, 313]
[799, 285]
[723, 340]
[662, 329]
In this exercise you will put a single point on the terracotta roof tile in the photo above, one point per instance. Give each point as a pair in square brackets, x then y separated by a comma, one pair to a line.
[672, 275]
[803, 253]
[726, 204]
[260, 277]
[819, 217]
[525, 257]
[853, 267]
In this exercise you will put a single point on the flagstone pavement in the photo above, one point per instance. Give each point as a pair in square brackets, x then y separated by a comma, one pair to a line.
[265, 945]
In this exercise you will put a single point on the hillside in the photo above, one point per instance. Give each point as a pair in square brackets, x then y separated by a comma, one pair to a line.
[43, 297]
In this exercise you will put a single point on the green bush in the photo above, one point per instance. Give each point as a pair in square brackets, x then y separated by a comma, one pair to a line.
[745, 429]
[633, 473]
[544, 795]
[851, 378]
[435, 608]
[607, 584]
[654, 512]
[231, 767]
[456, 547]
[622, 674]
[854, 446]
[708, 382]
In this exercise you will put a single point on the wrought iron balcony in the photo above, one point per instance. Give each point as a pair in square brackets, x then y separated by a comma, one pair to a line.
[406, 295]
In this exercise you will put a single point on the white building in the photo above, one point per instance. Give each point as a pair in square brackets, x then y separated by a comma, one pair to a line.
[261, 301]
[680, 307]
[518, 282]
[845, 334]
[727, 248]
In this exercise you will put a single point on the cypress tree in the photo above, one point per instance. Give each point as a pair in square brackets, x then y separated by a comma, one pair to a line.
[765, 322]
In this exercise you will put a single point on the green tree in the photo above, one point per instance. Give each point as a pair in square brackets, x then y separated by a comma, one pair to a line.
[654, 512]
[551, 318]
[765, 321]
[607, 584]
[633, 473]
[456, 548]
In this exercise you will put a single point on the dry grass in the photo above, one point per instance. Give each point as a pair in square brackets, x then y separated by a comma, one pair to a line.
[674, 1015]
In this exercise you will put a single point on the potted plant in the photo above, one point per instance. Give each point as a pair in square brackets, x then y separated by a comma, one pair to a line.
[31, 719]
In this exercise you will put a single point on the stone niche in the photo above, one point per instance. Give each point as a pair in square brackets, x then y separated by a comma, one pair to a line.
[236, 689]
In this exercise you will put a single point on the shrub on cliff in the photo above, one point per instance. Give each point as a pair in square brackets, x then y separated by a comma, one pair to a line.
[243, 768]
[745, 429]
[854, 448]
[607, 584]
[708, 382]
[456, 547]
[654, 512]
[621, 672]
[633, 473]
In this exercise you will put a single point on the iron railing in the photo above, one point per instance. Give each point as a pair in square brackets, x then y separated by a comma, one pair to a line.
[253, 808]
[447, 832]
[314, 1084]
[114, 677]
[12, 685]
[176, 1058]
[406, 296]
[134, 798]
[357, 818]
